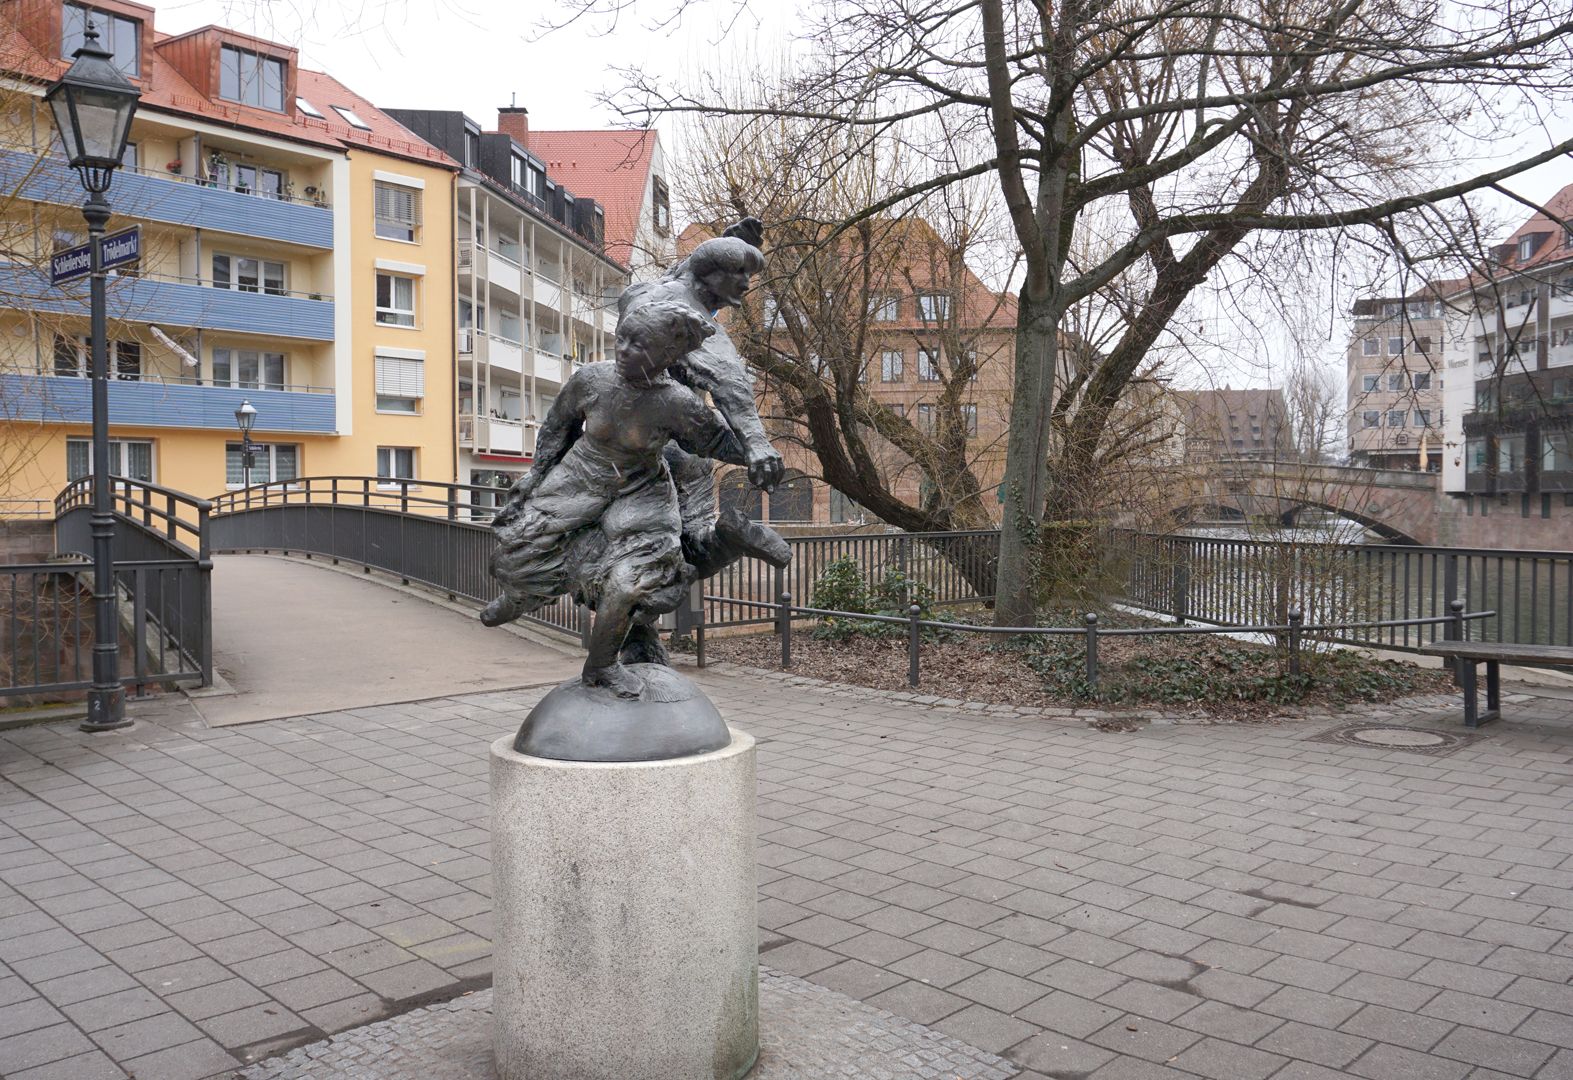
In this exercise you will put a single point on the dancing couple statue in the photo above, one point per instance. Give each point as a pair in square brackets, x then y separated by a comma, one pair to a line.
[619, 509]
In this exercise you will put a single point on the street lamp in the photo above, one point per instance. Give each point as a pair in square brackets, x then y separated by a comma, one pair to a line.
[245, 417]
[93, 104]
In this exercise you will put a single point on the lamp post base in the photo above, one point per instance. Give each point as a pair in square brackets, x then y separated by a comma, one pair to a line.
[106, 710]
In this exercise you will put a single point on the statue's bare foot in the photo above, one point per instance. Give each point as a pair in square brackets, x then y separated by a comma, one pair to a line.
[616, 678]
[504, 609]
[752, 538]
[643, 646]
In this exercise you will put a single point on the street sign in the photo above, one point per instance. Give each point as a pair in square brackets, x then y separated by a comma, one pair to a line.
[116, 249]
[120, 248]
[70, 264]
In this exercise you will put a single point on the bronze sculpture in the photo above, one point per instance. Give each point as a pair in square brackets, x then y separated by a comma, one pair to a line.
[619, 507]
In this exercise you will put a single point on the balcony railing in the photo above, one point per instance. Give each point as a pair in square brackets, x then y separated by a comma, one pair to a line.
[167, 403]
[177, 303]
[319, 200]
[497, 435]
[178, 200]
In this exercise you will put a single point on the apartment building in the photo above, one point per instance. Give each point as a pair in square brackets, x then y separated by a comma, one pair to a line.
[926, 323]
[1395, 379]
[625, 172]
[1228, 423]
[537, 293]
[296, 253]
[1509, 359]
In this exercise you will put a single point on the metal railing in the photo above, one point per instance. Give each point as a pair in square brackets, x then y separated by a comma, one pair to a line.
[207, 181]
[423, 531]
[192, 380]
[1290, 633]
[163, 572]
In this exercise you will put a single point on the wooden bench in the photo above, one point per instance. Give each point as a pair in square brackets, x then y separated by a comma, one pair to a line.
[1466, 654]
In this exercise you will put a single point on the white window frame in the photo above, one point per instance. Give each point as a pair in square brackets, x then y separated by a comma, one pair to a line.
[1370, 384]
[1395, 346]
[399, 375]
[350, 117]
[1415, 380]
[395, 191]
[391, 479]
[928, 365]
[84, 359]
[391, 314]
[884, 307]
[1371, 418]
[892, 366]
[1371, 347]
[969, 419]
[117, 456]
[232, 359]
[308, 108]
[933, 307]
[232, 280]
[261, 473]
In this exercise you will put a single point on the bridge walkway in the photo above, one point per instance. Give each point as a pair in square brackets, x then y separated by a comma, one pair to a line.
[293, 638]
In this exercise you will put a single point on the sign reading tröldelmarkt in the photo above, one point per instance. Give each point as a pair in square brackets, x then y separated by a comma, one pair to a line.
[116, 249]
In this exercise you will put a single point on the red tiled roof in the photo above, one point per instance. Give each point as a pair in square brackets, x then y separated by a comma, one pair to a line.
[164, 89]
[607, 166]
[1551, 249]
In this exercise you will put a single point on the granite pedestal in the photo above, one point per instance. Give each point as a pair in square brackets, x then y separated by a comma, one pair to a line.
[624, 900]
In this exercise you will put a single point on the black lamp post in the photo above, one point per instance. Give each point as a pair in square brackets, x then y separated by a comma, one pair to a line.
[245, 417]
[93, 104]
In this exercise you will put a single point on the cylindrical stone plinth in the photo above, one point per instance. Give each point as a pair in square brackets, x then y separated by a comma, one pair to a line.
[624, 900]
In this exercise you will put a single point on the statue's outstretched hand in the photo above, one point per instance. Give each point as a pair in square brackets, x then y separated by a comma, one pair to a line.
[765, 468]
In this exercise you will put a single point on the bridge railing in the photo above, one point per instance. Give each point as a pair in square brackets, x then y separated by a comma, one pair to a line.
[426, 532]
[162, 569]
[1238, 581]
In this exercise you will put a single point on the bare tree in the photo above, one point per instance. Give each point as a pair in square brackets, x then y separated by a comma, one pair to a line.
[1217, 131]
[1315, 401]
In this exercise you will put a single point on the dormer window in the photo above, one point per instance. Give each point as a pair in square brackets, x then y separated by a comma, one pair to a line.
[250, 78]
[350, 118]
[1526, 248]
[308, 108]
[120, 35]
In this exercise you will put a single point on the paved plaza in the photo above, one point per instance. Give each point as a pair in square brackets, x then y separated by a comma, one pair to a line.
[1237, 901]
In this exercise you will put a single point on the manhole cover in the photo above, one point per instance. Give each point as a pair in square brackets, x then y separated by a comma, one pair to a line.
[1396, 737]
[1393, 737]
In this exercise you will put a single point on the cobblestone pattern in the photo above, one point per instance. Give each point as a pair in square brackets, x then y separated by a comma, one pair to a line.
[1228, 901]
[806, 1033]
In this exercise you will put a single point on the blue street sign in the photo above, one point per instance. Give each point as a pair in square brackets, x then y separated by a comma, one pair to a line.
[70, 264]
[120, 248]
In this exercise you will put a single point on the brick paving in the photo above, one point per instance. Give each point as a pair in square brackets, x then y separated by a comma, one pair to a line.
[806, 1033]
[1230, 902]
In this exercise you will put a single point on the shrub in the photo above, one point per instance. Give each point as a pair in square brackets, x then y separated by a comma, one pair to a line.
[842, 587]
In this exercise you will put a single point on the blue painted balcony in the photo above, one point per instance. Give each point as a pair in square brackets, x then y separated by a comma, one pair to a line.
[174, 303]
[152, 403]
[172, 199]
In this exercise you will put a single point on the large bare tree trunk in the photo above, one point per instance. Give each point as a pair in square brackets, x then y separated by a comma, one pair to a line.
[1026, 459]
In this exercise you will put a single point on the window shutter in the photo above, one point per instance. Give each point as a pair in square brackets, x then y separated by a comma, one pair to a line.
[400, 377]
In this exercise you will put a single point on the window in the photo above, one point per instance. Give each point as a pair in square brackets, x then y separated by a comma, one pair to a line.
[251, 78]
[972, 365]
[770, 312]
[890, 366]
[472, 149]
[395, 299]
[661, 204]
[1510, 453]
[398, 211]
[247, 179]
[1526, 248]
[1556, 451]
[395, 463]
[884, 307]
[933, 307]
[1567, 236]
[926, 419]
[120, 35]
[350, 118]
[1396, 381]
[269, 462]
[969, 419]
[1485, 399]
[1396, 417]
[928, 368]
[1370, 382]
[248, 369]
[1371, 418]
[131, 458]
[1475, 455]
[74, 358]
[843, 510]
[1422, 418]
[248, 275]
[400, 382]
[1371, 347]
[130, 159]
[308, 108]
[1421, 380]
[1395, 346]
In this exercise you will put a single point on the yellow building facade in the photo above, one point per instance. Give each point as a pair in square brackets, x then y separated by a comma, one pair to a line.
[297, 254]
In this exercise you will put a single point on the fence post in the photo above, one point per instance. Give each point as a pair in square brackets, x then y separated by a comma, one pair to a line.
[1092, 651]
[784, 628]
[205, 595]
[914, 635]
[697, 599]
[1455, 623]
[1296, 617]
[584, 626]
[1182, 584]
[453, 504]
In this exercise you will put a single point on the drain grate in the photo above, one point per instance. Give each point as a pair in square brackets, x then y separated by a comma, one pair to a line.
[1413, 740]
